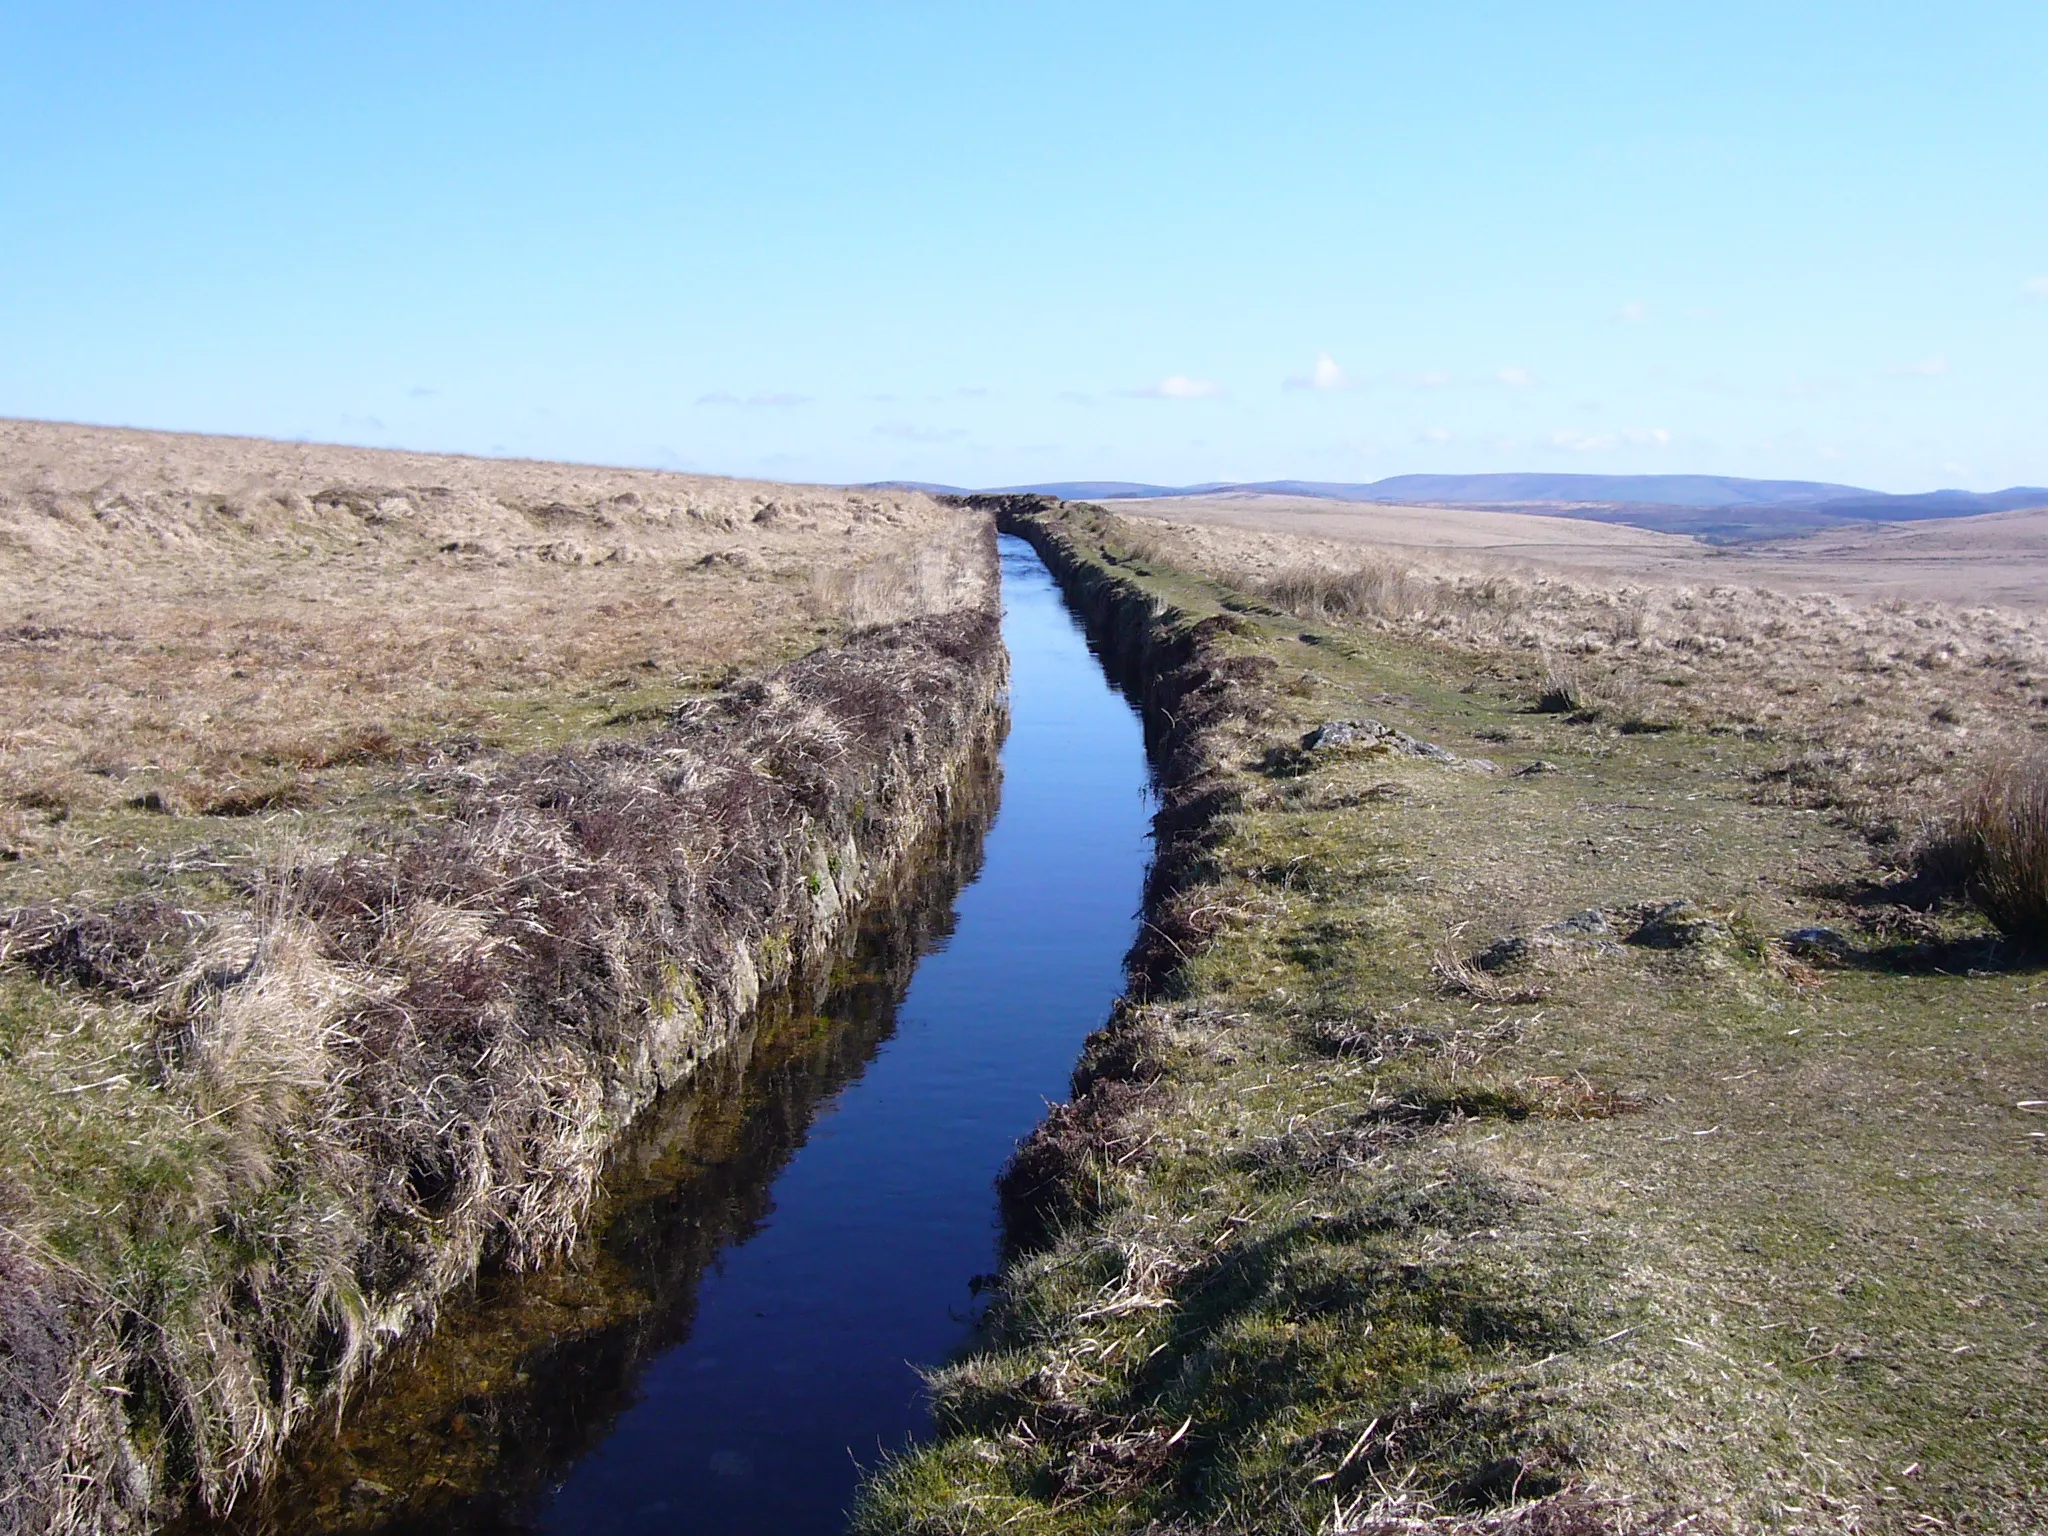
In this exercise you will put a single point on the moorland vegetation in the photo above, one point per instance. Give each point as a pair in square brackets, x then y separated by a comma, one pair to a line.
[382, 833]
[1581, 1071]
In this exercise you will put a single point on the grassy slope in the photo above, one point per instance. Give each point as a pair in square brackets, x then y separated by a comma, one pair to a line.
[231, 660]
[1709, 1230]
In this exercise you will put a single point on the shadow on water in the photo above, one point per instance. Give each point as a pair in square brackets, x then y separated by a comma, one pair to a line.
[784, 1240]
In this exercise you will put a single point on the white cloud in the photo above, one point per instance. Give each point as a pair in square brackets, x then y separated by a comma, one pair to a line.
[1325, 375]
[1433, 435]
[1178, 386]
[2035, 288]
[1634, 312]
[755, 402]
[1436, 378]
[1583, 442]
[906, 432]
[1600, 442]
[1515, 378]
[1926, 368]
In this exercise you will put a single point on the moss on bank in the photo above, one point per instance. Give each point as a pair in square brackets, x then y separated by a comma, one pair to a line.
[1515, 1123]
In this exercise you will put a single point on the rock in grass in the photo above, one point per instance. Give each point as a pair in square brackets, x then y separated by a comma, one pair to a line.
[1590, 923]
[1818, 944]
[1374, 735]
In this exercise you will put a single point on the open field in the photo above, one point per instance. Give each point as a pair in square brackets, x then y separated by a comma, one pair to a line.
[1532, 1112]
[222, 623]
[380, 834]
[1999, 558]
[1877, 704]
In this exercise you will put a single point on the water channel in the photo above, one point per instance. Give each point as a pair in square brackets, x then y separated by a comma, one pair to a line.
[787, 1241]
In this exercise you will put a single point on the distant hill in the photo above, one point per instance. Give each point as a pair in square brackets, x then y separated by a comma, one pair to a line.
[1647, 490]
[1713, 507]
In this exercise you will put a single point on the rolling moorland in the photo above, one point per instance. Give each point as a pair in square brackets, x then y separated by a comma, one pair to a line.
[1997, 558]
[380, 833]
[1581, 1072]
[1721, 509]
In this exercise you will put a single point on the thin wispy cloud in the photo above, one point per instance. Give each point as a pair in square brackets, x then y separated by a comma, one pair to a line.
[1800, 387]
[1178, 386]
[907, 432]
[1583, 442]
[2035, 287]
[1634, 312]
[1433, 435]
[1514, 378]
[1325, 375]
[1600, 442]
[754, 402]
[421, 392]
[1926, 368]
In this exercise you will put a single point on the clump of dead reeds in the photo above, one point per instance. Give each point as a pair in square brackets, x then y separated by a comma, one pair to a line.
[1563, 690]
[1994, 847]
[1379, 589]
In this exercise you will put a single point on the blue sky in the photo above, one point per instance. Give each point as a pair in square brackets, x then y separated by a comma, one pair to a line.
[1044, 241]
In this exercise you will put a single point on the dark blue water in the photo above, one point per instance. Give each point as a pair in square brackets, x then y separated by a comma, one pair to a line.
[801, 1361]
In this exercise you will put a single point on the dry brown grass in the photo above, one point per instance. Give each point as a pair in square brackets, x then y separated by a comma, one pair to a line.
[1994, 846]
[334, 952]
[1882, 708]
[212, 620]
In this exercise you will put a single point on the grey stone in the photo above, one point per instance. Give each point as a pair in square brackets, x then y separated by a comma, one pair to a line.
[1818, 944]
[1589, 923]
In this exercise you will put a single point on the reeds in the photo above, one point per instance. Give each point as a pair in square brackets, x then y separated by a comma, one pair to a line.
[1994, 847]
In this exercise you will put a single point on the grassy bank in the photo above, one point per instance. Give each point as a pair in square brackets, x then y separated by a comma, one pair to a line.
[324, 982]
[1526, 1115]
[463, 1433]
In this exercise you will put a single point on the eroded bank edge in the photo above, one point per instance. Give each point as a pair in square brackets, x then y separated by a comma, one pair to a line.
[814, 784]
[1117, 1330]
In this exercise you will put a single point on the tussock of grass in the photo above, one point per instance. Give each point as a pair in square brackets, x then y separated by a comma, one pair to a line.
[1377, 590]
[1994, 846]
